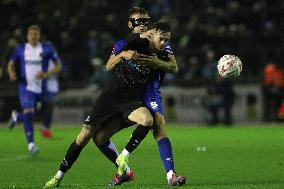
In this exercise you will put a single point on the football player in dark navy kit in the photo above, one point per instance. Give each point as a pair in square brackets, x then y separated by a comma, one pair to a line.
[121, 106]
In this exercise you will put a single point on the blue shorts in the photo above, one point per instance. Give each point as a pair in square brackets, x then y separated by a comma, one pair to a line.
[152, 96]
[48, 96]
[154, 104]
[29, 99]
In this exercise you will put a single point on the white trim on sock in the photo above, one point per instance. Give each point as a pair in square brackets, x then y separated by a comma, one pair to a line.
[128, 170]
[170, 174]
[59, 174]
[14, 115]
[125, 152]
[112, 146]
[31, 145]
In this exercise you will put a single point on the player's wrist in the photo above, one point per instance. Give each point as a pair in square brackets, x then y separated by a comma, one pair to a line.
[121, 56]
[159, 64]
[47, 74]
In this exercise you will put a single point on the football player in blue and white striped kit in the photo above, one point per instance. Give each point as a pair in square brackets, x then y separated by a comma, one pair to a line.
[32, 59]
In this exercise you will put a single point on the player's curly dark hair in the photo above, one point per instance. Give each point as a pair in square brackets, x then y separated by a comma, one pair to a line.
[161, 25]
[137, 10]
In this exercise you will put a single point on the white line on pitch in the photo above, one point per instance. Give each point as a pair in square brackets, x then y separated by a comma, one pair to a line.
[15, 158]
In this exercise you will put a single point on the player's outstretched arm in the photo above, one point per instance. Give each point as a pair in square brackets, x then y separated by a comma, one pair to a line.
[154, 62]
[11, 71]
[115, 59]
[169, 66]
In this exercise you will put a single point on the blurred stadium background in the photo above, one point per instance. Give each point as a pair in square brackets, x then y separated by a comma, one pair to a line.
[84, 32]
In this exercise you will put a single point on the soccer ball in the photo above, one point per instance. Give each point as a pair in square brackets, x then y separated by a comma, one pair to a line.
[229, 66]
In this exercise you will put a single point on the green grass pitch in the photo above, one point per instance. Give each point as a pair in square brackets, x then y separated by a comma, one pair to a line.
[235, 158]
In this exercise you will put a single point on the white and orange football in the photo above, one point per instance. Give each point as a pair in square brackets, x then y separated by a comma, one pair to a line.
[229, 66]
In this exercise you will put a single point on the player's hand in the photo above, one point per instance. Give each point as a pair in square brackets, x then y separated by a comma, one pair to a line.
[130, 55]
[41, 75]
[148, 60]
[12, 76]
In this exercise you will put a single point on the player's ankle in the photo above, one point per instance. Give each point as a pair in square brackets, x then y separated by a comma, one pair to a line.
[31, 145]
[125, 153]
[170, 174]
[128, 170]
[14, 115]
[59, 175]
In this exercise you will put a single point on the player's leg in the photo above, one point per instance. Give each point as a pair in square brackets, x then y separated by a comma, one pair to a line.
[102, 136]
[144, 119]
[165, 149]
[155, 104]
[27, 101]
[71, 156]
[28, 116]
[163, 142]
[47, 113]
[15, 118]
[105, 145]
[75, 149]
[48, 103]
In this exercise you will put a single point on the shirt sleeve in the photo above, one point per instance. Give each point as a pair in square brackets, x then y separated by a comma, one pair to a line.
[168, 49]
[15, 56]
[53, 54]
[117, 47]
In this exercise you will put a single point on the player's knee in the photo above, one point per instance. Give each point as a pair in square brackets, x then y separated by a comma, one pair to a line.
[141, 116]
[160, 121]
[146, 120]
[159, 136]
[84, 137]
[82, 140]
[28, 110]
[159, 132]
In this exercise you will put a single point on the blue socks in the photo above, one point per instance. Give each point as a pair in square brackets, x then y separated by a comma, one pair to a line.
[28, 126]
[166, 154]
[20, 117]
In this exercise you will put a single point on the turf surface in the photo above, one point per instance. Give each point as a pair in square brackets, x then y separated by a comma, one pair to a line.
[235, 158]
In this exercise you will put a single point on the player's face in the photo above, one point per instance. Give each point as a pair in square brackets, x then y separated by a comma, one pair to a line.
[160, 39]
[138, 23]
[33, 37]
